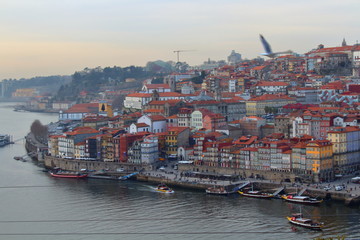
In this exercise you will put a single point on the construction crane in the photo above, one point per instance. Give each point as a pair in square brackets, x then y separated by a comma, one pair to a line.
[179, 51]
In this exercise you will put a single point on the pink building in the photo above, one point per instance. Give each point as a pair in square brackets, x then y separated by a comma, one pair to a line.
[213, 121]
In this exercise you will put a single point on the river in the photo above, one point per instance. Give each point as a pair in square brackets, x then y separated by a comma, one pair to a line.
[35, 206]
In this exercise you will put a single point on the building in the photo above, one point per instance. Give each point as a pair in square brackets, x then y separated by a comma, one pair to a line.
[197, 117]
[258, 106]
[156, 123]
[166, 107]
[150, 149]
[213, 121]
[252, 125]
[346, 146]
[95, 121]
[266, 87]
[319, 158]
[67, 142]
[79, 111]
[184, 117]
[150, 88]
[25, 93]
[234, 58]
[139, 127]
[176, 137]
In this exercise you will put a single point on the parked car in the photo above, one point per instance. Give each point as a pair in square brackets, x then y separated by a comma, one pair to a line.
[339, 188]
[327, 188]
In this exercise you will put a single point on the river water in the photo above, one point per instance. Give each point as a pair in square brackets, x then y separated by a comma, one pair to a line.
[34, 205]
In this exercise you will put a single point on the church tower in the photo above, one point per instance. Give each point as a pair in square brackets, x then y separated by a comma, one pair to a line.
[343, 43]
[171, 81]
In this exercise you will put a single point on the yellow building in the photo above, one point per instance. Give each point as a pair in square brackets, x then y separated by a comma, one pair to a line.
[176, 137]
[79, 151]
[319, 160]
[25, 92]
[53, 145]
[256, 106]
[105, 109]
[107, 148]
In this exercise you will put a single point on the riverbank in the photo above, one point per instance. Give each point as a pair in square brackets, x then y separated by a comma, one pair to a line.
[350, 195]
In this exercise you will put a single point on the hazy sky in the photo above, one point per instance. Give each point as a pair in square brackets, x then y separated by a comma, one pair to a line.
[47, 37]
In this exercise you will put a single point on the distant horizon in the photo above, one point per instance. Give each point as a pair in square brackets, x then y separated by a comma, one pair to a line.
[47, 37]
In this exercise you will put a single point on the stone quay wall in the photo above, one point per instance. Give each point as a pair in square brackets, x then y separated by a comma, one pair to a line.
[243, 173]
[76, 165]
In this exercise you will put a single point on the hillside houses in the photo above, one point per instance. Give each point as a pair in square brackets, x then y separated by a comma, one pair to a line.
[281, 116]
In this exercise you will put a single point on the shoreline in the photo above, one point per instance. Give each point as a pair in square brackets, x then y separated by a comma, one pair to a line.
[349, 199]
[350, 196]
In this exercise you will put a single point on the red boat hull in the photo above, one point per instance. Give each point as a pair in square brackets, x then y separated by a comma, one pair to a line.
[66, 175]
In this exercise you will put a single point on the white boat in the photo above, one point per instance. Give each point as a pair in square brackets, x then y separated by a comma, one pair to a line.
[299, 220]
[301, 199]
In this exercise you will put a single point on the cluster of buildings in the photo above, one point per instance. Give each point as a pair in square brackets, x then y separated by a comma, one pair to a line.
[282, 115]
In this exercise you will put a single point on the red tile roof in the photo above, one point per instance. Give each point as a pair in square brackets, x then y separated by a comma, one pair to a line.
[152, 110]
[157, 86]
[266, 97]
[140, 95]
[171, 102]
[257, 68]
[177, 129]
[84, 108]
[141, 125]
[267, 84]
[157, 118]
[170, 94]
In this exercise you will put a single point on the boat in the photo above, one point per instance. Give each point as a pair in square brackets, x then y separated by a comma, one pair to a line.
[129, 176]
[218, 191]
[61, 174]
[164, 189]
[299, 220]
[301, 199]
[4, 140]
[255, 194]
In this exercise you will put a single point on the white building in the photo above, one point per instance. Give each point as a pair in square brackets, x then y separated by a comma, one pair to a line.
[139, 127]
[137, 100]
[156, 123]
[150, 88]
[150, 149]
[197, 117]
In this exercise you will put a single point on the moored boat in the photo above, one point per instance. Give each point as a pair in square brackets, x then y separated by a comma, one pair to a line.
[164, 189]
[299, 220]
[68, 174]
[256, 194]
[301, 199]
[4, 140]
[218, 191]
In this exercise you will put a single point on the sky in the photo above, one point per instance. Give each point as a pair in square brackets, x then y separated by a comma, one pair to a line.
[47, 37]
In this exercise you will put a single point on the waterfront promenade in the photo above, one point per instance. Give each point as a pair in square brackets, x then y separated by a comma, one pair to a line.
[350, 194]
